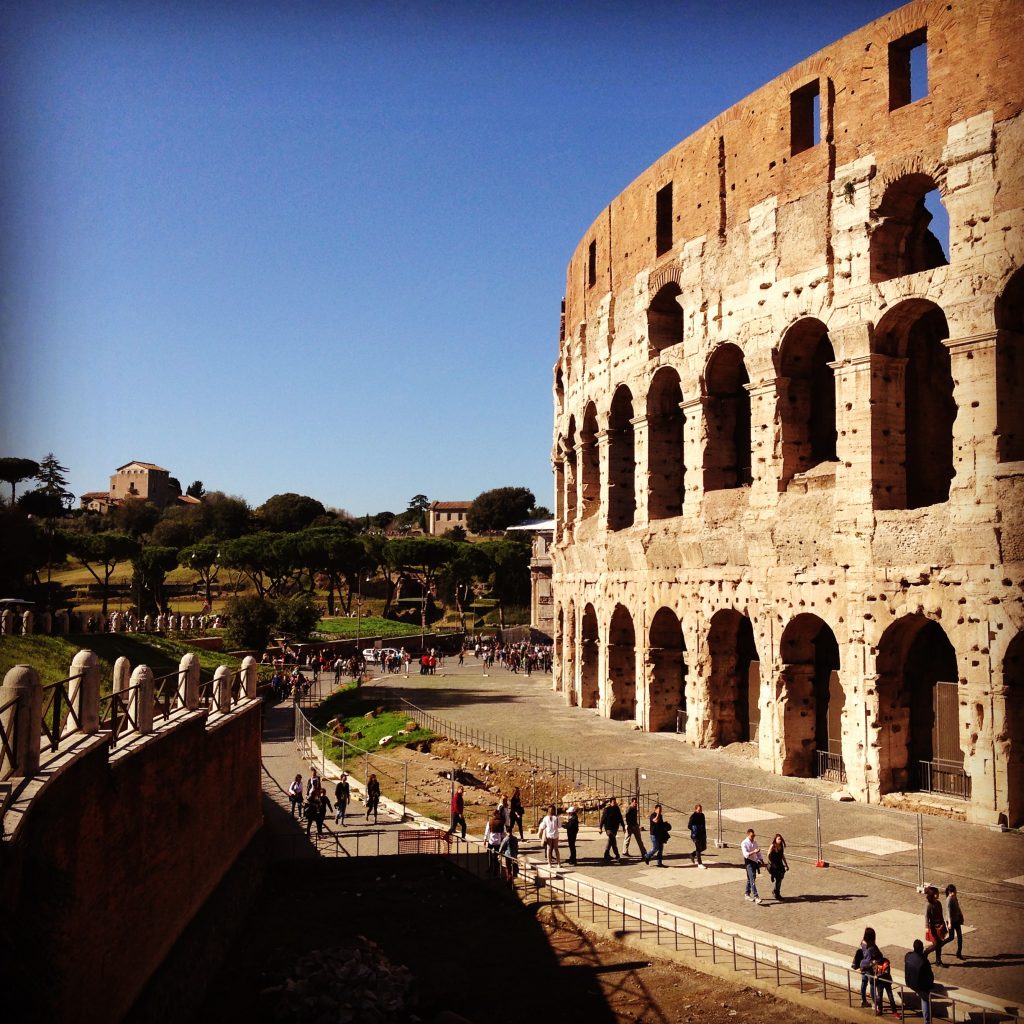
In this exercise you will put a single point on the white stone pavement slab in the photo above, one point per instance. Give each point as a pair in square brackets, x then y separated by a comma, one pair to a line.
[895, 928]
[749, 814]
[880, 846]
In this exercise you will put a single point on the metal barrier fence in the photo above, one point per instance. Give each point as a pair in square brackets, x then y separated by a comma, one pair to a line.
[569, 777]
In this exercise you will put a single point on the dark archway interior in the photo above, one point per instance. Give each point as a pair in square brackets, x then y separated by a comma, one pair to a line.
[666, 470]
[667, 694]
[665, 318]
[622, 665]
[621, 462]
[727, 413]
[1010, 370]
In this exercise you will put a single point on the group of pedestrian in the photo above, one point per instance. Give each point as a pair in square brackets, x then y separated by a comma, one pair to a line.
[310, 802]
[754, 861]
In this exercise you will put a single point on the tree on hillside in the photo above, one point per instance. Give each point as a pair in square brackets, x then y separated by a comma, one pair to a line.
[270, 561]
[13, 471]
[296, 617]
[469, 567]
[227, 516]
[510, 574]
[334, 553]
[136, 517]
[421, 559]
[250, 620]
[179, 526]
[288, 513]
[102, 552]
[195, 489]
[201, 558]
[499, 509]
[150, 568]
[53, 480]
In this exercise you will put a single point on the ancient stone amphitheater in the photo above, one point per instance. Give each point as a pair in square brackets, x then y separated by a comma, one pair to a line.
[789, 423]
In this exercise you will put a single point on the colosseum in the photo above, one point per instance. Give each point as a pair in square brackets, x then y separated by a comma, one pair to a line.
[789, 423]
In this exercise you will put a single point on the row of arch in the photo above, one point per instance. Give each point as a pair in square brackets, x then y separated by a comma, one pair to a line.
[649, 680]
[916, 417]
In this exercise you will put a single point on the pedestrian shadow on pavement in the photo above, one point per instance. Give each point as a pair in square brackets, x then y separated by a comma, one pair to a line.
[825, 897]
[992, 960]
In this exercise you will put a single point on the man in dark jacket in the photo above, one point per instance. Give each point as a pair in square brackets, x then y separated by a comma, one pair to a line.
[919, 977]
[611, 822]
[633, 828]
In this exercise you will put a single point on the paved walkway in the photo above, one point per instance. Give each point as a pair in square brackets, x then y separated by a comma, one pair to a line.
[824, 911]
[828, 908]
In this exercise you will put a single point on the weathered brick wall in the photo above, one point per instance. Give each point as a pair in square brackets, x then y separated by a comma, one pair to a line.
[116, 857]
[780, 259]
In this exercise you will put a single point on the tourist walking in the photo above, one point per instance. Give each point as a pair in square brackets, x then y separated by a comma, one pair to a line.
[342, 795]
[698, 827]
[508, 854]
[883, 984]
[633, 830]
[494, 833]
[752, 861]
[372, 797]
[572, 830]
[295, 796]
[955, 919]
[548, 830]
[321, 811]
[935, 930]
[517, 809]
[458, 809]
[864, 961]
[312, 812]
[611, 822]
[313, 782]
[777, 864]
[660, 830]
[920, 977]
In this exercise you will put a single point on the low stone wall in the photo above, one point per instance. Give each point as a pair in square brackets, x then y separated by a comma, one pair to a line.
[112, 852]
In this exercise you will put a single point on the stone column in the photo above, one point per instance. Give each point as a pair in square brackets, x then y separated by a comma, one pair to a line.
[142, 699]
[604, 467]
[642, 474]
[21, 721]
[84, 694]
[976, 427]
[764, 422]
[693, 453]
[27, 623]
[122, 675]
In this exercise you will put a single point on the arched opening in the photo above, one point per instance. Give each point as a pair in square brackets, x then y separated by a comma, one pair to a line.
[621, 462]
[569, 473]
[904, 240]
[666, 656]
[1010, 370]
[922, 412]
[590, 458]
[812, 698]
[559, 389]
[727, 421]
[734, 684]
[622, 666]
[919, 705]
[589, 650]
[1013, 704]
[559, 650]
[808, 398]
[665, 318]
[569, 667]
[665, 468]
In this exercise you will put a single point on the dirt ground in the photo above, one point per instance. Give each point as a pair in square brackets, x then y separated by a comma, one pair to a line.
[475, 953]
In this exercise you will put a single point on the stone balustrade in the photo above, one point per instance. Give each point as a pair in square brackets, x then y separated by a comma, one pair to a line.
[64, 623]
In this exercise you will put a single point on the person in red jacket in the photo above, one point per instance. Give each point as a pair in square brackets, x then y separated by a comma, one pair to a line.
[458, 811]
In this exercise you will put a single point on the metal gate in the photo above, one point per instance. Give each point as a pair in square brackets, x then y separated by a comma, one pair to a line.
[945, 772]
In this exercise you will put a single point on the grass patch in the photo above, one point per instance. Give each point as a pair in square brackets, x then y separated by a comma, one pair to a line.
[369, 627]
[51, 656]
[351, 704]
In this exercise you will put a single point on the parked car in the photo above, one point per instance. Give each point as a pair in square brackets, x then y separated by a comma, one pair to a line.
[374, 656]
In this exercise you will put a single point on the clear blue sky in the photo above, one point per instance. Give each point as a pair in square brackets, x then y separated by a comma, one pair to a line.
[321, 247]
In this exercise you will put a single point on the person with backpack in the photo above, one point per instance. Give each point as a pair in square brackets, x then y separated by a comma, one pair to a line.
[920, 977]
[883, 983]
[863, 960]
[372, 797]
[611, 822]
[342, 795]
[572, 830]
[508, 854]
[777, 864]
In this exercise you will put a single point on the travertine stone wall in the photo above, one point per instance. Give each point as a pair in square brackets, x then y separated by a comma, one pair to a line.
[789, 427]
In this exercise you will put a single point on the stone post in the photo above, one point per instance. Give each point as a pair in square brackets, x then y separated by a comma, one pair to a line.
[27, 623]
[222, 689]
[250, 676]
[22, 722]
[122, 675]
[84, 693]
[142, 699]
[7, 622]
[188, 682]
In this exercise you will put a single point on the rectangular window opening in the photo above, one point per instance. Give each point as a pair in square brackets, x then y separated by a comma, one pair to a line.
[663, 217]
[592, 265]
[805, 117]
[908, 69]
